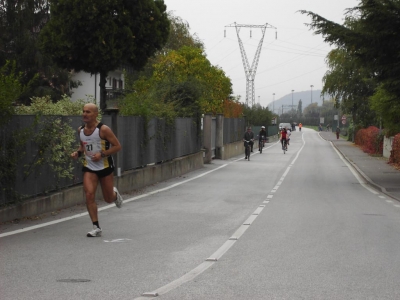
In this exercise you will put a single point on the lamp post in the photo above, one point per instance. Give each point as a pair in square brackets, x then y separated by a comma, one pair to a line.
[292, 102]
[311, 86]
[258, 99]
[273, 103]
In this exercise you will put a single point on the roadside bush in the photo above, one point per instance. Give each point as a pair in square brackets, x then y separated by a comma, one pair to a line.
[351, 131]
[370, 140]
[395, 153]
[54, 141]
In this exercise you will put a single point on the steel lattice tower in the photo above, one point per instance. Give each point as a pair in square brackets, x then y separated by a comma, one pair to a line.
[250, 71]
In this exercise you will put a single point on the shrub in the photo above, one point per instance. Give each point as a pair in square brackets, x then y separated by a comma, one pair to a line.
[370, 140]
[53, 136]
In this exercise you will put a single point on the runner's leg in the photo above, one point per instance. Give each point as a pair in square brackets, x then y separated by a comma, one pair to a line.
[107, 187]
[90, 182]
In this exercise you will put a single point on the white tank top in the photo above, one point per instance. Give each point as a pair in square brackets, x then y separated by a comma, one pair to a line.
[93, 144]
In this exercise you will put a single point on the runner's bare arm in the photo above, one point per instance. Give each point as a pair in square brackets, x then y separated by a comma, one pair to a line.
[107, 134]
[80, 150]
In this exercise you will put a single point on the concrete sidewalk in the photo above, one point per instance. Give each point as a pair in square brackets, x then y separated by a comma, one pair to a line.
[375, 170]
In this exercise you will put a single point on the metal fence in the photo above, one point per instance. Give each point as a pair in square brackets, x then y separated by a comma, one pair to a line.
[142, 144]
[156, 141]
[233, 130]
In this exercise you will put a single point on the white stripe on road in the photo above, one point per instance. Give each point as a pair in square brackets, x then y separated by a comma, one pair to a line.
[359, 178]
[222, 250]
[107, 206]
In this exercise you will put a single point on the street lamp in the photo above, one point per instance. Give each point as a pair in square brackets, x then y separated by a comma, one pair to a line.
[311, 86]
[273, 103]
[258, 99]
[292, 102]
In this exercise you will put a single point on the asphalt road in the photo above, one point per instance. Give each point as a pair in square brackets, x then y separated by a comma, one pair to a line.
[300, 225]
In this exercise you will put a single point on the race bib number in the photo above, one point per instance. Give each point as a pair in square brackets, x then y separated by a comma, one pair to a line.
[91, 148]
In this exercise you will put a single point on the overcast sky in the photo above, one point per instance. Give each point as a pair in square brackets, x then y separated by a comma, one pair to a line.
[293, 61]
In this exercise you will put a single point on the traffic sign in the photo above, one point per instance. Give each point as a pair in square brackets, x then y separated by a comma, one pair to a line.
[344, 117]
[343, 121]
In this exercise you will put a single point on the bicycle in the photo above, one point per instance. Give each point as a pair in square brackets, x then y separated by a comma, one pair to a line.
[284, 146]
[261, 144]
[247, 149]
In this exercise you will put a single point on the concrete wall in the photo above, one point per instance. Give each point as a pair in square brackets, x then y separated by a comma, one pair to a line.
[129, 181]
[234, 149]
[387, 146]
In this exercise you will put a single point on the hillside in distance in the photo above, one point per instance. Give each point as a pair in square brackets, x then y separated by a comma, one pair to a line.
[304, 96]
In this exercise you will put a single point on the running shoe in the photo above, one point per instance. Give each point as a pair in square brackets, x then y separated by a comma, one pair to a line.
[118, 202]
[95, 232]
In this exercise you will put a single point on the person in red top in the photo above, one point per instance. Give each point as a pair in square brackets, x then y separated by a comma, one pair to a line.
[284, 137]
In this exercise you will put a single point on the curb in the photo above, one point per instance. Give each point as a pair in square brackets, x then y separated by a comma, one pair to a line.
[370, 182]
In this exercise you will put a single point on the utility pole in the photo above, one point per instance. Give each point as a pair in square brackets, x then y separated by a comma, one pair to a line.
[273, 103]
[250, 71]
[311, 86]
[292, 102]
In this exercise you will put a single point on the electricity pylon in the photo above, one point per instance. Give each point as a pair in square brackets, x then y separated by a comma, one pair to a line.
[250, 71]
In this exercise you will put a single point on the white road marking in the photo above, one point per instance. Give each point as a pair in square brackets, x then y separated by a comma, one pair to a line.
[218, 254]
[107, 206]
[359, 178]
[117, 241]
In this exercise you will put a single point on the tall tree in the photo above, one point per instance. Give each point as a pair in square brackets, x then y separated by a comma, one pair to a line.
[233, 108]
[299, 108]
[186, 69]
[184, 80]
[20, 24]
[98, 36]
[257, 115]
[387, 110]
[371, 34]
[351, 84]
[179, 36]
[10, 90]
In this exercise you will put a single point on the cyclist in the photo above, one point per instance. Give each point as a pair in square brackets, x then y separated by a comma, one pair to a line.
[248, 136]
[262, 136]
[283, 137]
[288, 134]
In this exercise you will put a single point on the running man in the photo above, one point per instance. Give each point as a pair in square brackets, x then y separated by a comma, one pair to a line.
[97, 144]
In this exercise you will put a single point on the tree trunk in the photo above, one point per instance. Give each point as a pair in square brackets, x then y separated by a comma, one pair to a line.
[103, 94]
